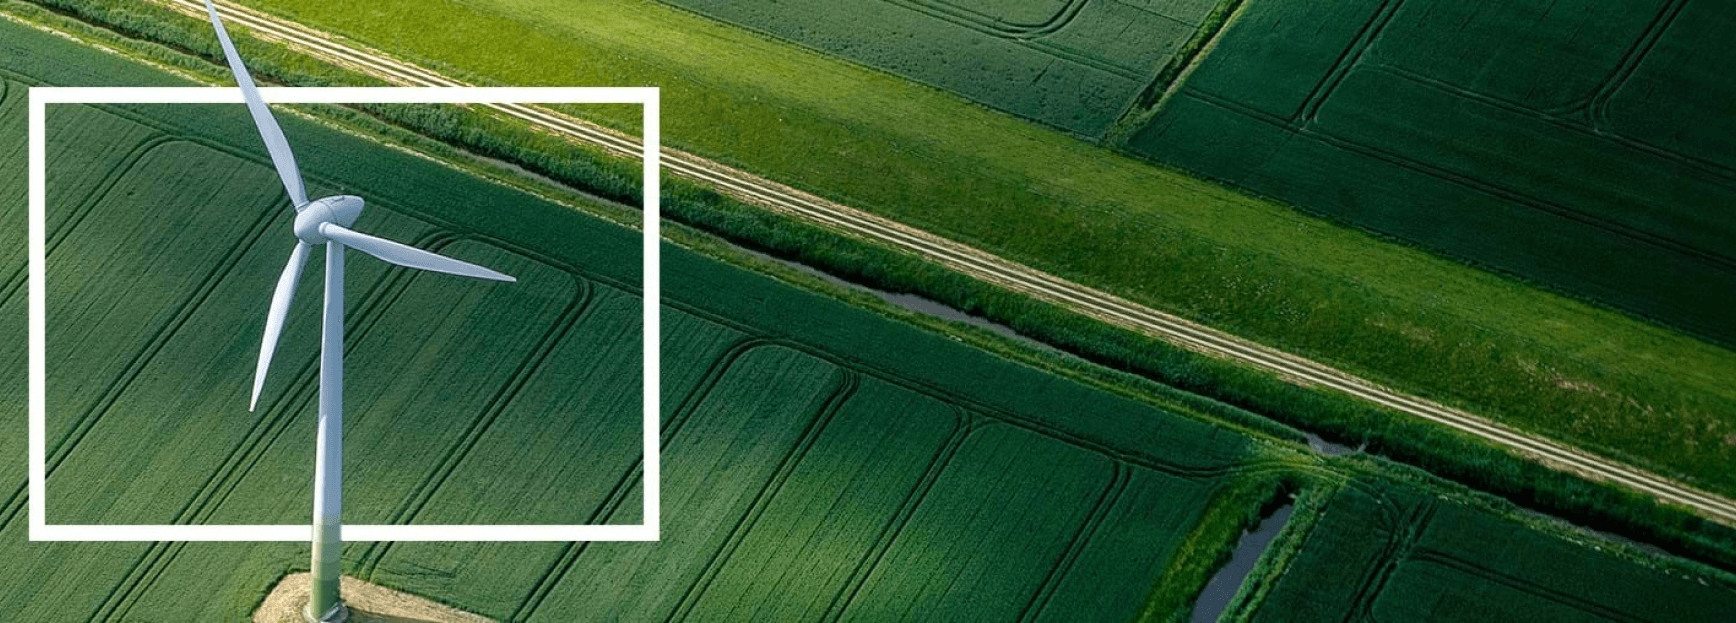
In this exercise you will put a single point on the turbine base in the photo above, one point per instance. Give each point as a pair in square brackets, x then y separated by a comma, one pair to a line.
[340, 614]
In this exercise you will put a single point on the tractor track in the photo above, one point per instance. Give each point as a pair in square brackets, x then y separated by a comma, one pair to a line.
[1078, 298]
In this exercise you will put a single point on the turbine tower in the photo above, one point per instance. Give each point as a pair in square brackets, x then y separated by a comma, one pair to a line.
[323, 221]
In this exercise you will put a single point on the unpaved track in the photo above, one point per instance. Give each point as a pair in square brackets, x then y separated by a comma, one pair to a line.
[1109, 308]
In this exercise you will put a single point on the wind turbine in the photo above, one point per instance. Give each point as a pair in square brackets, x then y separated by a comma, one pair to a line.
[323, 221]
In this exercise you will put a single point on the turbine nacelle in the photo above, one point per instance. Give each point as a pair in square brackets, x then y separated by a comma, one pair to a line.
[340, 210]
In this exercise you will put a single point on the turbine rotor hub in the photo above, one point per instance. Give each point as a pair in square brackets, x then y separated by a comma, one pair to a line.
[340, 210]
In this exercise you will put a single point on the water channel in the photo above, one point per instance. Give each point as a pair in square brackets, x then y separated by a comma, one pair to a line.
[1224, 584]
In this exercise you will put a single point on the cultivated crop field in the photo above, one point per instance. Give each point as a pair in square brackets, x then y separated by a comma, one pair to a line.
[1384, 553]
[1073, 64]
[819, 460]
[797, 435]
[1584, 145]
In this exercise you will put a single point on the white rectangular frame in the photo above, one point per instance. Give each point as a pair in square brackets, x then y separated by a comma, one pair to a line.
[647, 97]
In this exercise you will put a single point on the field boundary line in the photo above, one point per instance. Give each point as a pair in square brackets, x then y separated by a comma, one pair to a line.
[848, 385]
[1034, 424]
[1347, 61]
[967, 425]
[582, 306]
[1159, 91]
[1080, 299]
[1523, 199]
[1598, 104]
[992, 25]
[1401, 541]
[1107, 500]
[1569, 119]
[1025, 35]
[1523, 585]
[682, 410]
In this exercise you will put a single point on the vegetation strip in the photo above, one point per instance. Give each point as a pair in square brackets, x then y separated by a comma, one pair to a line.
[1041, 285]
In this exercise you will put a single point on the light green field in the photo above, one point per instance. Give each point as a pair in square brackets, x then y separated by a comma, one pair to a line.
[1397, 315]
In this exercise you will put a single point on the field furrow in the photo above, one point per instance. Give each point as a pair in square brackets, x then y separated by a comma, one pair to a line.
[108, 144]
[553, 457]
[282, 459]
[1469, 564]
[1339, 559]
[1010, 495]
[188, 408]
[1464, 128]
[720, 459]
[839, 501]
[1127, 553]
[13, 184]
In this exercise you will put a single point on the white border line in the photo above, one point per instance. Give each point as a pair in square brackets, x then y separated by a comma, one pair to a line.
[648, 97]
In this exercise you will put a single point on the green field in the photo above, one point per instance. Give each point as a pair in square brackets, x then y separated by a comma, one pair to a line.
[1384, 553]
[1541, 362]
[1581, 145]
[798, 432]
[1073, 64]
[813, 467]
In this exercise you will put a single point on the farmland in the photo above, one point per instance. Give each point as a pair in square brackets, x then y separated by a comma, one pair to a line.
[1543, 363]
[798, 433]
[1072, 64]
[814, 468]
[1384, 553]
[1579, 145]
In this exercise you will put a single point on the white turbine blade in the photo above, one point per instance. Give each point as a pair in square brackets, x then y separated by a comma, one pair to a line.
[408, 256]
[279, 310]
[281, 157]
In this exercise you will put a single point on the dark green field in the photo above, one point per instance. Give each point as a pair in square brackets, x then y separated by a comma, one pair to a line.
[1073, 64]
[1584, 145]
[1384, 553]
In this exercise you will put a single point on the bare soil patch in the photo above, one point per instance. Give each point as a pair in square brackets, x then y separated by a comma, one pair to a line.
[368, 603]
